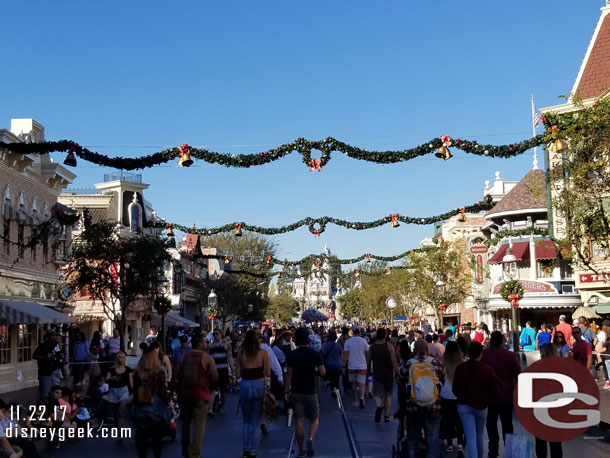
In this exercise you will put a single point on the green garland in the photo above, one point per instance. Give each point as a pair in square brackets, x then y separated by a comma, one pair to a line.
[318, 225]
[509, 288]
[300, 145]
[515, 233]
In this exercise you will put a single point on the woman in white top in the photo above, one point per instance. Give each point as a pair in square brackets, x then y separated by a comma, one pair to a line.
[451, 426]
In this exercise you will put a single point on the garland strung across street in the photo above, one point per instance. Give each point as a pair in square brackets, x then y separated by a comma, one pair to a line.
[318, 225]
[185, 153]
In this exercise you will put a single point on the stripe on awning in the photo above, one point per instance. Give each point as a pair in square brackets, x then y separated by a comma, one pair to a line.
[519, 249]
[16, 312]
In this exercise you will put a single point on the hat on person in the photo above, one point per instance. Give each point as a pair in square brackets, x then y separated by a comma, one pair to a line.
[562, 317]
[606, 323]
[184, 338]
[356, 329]
[575, 322]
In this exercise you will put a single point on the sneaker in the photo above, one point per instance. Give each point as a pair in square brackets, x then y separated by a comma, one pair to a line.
[210, 414]
[362, 403]
[301, 454]
[355, 404]
[386, 419]
[449, 449]
[378, 414]
[460, 451]
[310, 450]
[607, 386]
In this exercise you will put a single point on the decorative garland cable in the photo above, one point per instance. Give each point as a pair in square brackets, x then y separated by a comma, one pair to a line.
[318, 225]
[515, 233]
[300, 145]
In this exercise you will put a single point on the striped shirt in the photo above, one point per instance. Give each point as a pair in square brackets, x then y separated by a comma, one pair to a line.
[219, 353]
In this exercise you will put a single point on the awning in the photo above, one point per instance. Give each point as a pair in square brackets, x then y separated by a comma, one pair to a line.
[519, 249]
[545, 249]
[13, 312]
[176, 320]
[603, 309]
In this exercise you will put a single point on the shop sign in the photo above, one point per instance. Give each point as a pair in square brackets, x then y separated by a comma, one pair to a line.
[530, 286]
[595, 278]
[478, 249]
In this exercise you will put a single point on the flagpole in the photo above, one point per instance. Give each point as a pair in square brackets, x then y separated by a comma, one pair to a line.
[534, 132]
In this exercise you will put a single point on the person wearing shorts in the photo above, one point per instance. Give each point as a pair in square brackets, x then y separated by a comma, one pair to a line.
[304, 365]
[385, 368]
[355, 353]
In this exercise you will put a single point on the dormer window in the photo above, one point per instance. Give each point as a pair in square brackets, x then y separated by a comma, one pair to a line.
[135, 214]
[21, 201]
[8, 196]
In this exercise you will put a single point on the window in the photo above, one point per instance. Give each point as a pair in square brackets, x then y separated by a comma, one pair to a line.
[26, 340]
[6, 236]
[20, 239]
[5, 345]
[33, 253]
[45, 250]
[35, 211]
[7, 194]
[134, 215]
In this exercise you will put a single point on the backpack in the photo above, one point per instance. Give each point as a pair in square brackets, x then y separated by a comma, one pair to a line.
[587, 339]
[423, 381]
[190, 370]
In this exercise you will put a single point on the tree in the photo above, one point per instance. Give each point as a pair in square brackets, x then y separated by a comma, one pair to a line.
[248, 253]
[427, 267]
[118, 271]
[281, 308]
[579, 177]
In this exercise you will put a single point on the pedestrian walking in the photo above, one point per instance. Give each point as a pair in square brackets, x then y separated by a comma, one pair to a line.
[252, 366]
[331, 355]
[194, 374]
[385, 369]
[421, 378]
[275, 383]
[473, 385]
[304, 364]
[527, 339]
[120, 381]
[451, 426]
[152, 405]
[355, 354]
[548, 350]
[46, 358]
[220, 351]
[81, 351]
[581, 350]
[563, 348]
[506, 369]
[564, 328]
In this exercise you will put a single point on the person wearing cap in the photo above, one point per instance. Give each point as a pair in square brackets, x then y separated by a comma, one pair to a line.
[182, 350]
[355, 356]
[565, 328]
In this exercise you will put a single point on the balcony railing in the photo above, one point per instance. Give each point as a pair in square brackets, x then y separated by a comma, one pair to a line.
[123, 176]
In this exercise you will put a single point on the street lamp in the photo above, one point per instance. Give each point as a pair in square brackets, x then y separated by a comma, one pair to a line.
[510, 272]
[440, 288]
[250, 309]
[391, 304]
[212, 304]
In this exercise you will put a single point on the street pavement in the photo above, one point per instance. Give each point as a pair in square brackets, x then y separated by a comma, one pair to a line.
[223, 437]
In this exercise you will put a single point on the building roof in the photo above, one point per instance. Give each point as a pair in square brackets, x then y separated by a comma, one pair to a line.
[528, 194]
[593, 79]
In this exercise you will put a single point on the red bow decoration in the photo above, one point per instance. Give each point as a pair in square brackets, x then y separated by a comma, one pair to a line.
[73, 146]
[238, 225]
[368, 257]
[514, 300]
[318, 265]
[442, 307]
[184, 149]
[357, 272]
[446, 139]
[394, 217]
[268, 259]
[316, 164]
[316, 232]
[462, 209]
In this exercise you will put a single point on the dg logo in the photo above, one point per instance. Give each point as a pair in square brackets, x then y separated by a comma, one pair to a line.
[556, 399]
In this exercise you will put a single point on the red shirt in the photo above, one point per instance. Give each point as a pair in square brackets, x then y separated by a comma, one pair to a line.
[581, 349]
[565, 328]
[201, 391]
[479, 336]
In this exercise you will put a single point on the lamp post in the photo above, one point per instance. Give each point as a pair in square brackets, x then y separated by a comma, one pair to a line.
[212, 304]
[250, 308]
[391, 304]
[440, 288]
[511, 272]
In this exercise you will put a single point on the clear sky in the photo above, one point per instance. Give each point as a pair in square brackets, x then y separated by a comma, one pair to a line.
[131, 78]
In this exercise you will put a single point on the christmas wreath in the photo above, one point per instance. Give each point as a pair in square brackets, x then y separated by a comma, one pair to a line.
[512, 291]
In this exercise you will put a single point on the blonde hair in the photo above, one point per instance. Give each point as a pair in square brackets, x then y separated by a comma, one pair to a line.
[148, 364]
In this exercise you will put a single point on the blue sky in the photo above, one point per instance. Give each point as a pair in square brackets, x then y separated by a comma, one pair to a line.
[131, 78]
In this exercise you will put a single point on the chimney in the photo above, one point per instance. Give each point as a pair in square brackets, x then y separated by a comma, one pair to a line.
[28, 130]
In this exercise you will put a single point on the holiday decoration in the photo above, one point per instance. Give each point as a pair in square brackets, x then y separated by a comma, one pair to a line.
[498, 236]
[368, 257]
[87, 318]
[462, 215]
[394, 223]
[227, 260]
[170, 231]
[442, 308]
[312, 315]
[268, 260]
[555, 146]
[512, 291]
[185, 156]
[301, 145]
[318, 225]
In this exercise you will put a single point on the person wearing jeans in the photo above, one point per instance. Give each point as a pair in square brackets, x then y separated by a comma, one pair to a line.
[474, 385]
[252, 366]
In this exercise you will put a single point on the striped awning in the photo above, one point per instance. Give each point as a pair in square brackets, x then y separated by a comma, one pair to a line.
[172, 319]
[15, 312]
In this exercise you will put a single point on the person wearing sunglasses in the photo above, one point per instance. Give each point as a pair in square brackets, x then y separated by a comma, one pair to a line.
[581, 350]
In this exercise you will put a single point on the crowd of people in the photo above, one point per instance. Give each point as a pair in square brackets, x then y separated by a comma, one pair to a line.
[451, 384]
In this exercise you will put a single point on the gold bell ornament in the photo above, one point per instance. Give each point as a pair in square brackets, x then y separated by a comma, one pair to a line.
[70, 159]
[462, 215]
[238, 229]
[556, 146]
[443, 153]
[394, 223]
[227, 260]
[170, 230]
[185, 156]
